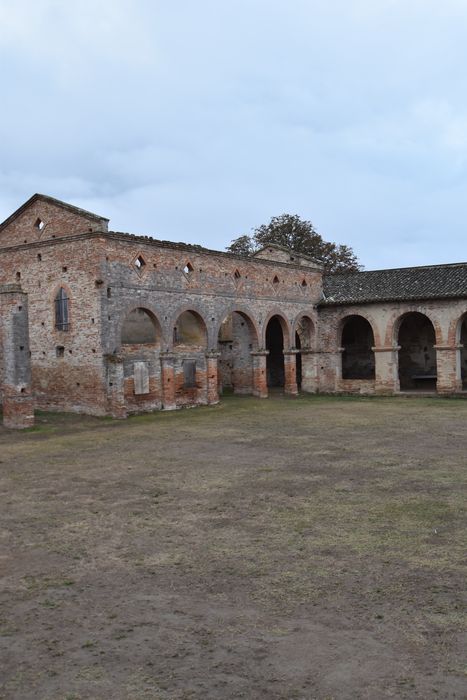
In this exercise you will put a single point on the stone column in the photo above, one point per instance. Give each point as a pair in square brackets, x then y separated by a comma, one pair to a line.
[260, 384]
[168, 380]
[115, 386]
[309, 371]
[290, 372]
[448, 369]
[386, 369]
[18, 405]
[212, 380]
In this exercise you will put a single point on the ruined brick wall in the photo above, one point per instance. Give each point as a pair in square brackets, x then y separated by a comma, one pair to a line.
[43, 220]
[151, 276]
[105, 276]
[15, 377]
[71, 378]
[93, 366]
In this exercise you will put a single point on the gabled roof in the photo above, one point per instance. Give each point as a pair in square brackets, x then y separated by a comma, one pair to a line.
[399, 284]
[56, 202]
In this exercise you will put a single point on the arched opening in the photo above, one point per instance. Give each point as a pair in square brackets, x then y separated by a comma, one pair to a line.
[275, 360]
[190, 331]
[236, 340]
[139, 328]
[303, 341]
[357, 341]
[463, 351]
[140, 345]
[417, 355]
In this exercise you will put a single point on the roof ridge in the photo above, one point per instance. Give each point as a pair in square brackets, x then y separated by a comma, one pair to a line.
[51, 200]
[397, 269]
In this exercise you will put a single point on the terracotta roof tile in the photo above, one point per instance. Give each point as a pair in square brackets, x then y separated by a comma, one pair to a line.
[400, 284]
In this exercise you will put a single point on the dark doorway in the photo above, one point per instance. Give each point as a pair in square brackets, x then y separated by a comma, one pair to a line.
[358, 358]
[275, 359]
[417, 356]
[463, 353]
[298, 360]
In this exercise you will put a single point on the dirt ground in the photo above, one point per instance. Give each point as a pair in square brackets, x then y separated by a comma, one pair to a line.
[297, 549]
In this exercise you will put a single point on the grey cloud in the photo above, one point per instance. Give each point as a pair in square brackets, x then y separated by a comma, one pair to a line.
[198, 121]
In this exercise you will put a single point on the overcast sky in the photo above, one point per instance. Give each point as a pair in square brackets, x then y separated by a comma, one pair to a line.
[197, 120]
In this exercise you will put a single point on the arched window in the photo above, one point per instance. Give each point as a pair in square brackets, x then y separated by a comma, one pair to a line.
[61, 310]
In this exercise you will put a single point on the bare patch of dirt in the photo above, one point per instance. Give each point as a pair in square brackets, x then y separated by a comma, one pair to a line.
[310, 549]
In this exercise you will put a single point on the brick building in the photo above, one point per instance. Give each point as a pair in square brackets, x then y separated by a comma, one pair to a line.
[108, 323]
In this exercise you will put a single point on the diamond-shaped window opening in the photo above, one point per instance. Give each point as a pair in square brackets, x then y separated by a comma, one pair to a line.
[304, 284]
[188, 269]
[275, 281]
[39, 224]
[237, 275]
[139, 263]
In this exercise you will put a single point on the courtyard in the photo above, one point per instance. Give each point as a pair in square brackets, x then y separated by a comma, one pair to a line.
[308, 548]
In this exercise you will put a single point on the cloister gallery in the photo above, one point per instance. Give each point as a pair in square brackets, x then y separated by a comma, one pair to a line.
[108, 323]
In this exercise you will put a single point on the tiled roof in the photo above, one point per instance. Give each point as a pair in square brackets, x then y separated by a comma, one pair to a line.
[400, 284]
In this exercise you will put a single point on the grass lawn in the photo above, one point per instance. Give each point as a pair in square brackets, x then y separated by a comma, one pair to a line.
[309, 548]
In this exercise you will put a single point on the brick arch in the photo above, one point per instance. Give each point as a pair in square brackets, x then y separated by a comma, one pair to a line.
[197, 311]
[54, 291]
[310, 317]
[394, 324]
[151, 313]
[343, 318]
[247, 314]
[356, 339]
[455, 329]
[417, 357]
[286, 329]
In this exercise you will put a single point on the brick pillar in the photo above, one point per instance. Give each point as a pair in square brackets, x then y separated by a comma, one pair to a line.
[212, 380]
[168, 380]
[290, 372]
[18, 404]
[386, 369]
[309, 371]
[260, 384]
[115, 386]
[329, 370]
[448, 369]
